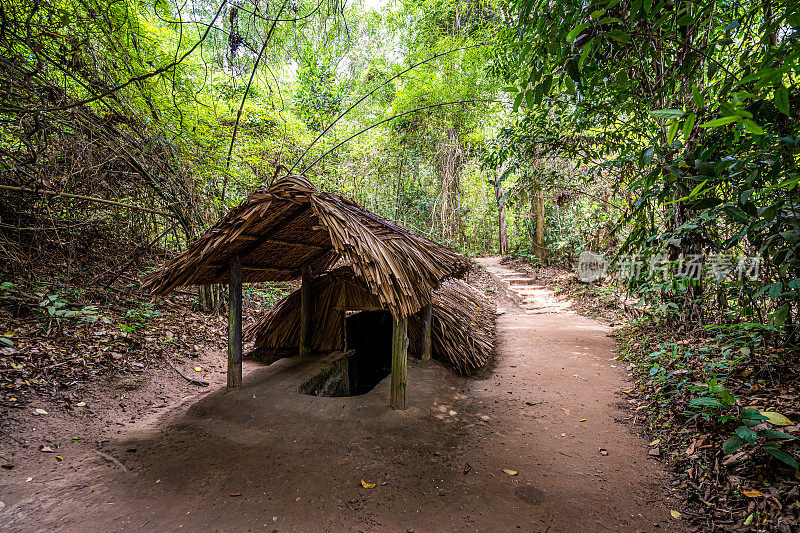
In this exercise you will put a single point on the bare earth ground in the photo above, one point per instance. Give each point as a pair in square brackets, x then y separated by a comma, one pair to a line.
[266, 458]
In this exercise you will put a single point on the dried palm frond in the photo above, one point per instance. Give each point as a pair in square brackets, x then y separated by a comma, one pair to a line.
[275, 232]
[462, 327]
[462, 324]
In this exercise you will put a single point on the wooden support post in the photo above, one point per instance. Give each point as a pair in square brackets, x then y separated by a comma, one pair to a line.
[235, 325]
[427, 315]
[306, 303]
[399, 363]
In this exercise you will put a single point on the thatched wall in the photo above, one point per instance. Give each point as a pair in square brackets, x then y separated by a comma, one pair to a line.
[275, 232]
[463, 321]
[332, 293]
[463, 327]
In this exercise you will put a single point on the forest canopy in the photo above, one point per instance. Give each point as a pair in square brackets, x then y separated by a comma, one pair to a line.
[660, 129]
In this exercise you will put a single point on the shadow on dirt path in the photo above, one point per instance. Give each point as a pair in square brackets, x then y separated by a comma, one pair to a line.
[266, 458]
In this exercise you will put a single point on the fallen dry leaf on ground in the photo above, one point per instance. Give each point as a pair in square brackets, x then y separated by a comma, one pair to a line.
[777, 419]
[752, 493]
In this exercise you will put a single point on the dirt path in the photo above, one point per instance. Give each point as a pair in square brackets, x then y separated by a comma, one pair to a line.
[266, 458]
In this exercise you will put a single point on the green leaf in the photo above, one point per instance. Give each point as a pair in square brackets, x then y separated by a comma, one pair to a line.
[732, 444]
[646, 157]
[697, 189]
[720, 122]
[510, 89]
[775, 290]
[778, 318]
[597, 14]
[572, 70]
[706, 401]
[585, 53]
[737, 214]
[703, 203]
[688, 126]
[781, 99]
[752, 414]
[781, 455]
[752, 127]
[573, 34]
[697, 97]
[518, 101]
[619, 36]
[772, 434]
[6, 341]
[672, 132]
[747, 434]
[570, 86]
[727, 397]
[761, 74]
[667, 114]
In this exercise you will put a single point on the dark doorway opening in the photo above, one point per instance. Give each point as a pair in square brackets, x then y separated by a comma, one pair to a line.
[369, 345]
[369, 333]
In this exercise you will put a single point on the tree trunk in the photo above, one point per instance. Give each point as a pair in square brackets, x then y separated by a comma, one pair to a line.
[450, 155]
[501, 216]
[397, 400]
[538, 199]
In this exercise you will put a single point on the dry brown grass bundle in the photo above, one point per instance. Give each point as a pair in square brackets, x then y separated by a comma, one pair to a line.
[275, 232]
[462, 327]
[333, 292]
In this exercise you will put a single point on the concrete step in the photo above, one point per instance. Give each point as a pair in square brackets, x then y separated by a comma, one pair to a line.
[530, 289]
[511, 274]
[520, 281]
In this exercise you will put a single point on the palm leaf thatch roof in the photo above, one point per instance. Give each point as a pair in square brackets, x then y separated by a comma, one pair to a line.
[462, 325]
[277, 231]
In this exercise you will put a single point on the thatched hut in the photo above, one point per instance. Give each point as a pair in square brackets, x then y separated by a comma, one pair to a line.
[462, 322]
[294, 230]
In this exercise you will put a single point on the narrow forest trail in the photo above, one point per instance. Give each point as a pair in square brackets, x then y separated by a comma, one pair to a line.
[266, 458]
[563, 367]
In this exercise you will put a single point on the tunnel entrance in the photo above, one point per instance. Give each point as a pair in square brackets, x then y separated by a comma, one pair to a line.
[367, 361]
[369, 333]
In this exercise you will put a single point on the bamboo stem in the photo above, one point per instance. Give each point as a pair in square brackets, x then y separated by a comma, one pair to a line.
[87, 199]
[235, 325]
[397, 400]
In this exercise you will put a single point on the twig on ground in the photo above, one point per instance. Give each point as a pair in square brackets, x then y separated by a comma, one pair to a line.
[193, 381]
[10, 437]
[111, 459]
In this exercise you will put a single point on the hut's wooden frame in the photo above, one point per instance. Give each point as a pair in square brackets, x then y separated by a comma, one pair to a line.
[294, 230]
